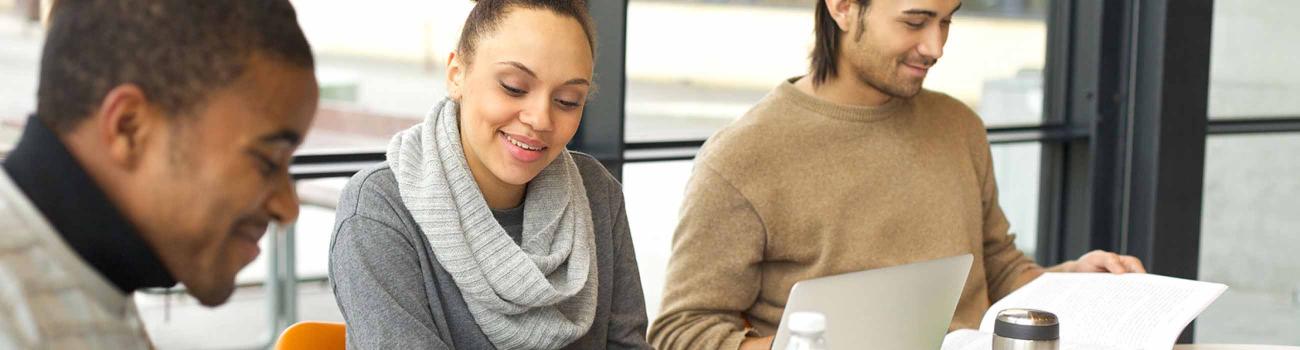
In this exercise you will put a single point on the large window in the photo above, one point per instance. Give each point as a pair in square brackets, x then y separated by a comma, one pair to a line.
[653, 193]
[718, 58]
[21, 38]
[1251, 192]
[1253, 52]
[381, 66]
[1248, 238]
[1016, 166]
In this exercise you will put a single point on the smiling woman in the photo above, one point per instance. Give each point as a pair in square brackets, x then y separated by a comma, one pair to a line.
[520, 89]
[481, 230]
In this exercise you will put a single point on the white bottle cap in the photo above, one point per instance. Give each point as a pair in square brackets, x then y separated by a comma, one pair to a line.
[807, 322]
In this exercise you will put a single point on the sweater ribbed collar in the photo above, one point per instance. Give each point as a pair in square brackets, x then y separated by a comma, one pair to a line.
[861, 114]
[539, 293]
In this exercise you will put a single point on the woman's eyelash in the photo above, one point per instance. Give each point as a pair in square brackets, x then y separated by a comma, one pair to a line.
[512, 90]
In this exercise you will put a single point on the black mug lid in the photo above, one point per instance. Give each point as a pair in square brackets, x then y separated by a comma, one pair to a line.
[1027, 324]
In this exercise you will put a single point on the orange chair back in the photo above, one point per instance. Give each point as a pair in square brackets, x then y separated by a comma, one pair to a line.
[313, 335]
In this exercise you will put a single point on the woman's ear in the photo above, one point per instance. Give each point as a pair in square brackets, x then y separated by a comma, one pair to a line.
[455, 76]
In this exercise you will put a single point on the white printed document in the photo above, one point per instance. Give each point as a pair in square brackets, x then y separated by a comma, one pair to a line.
[1103, 311]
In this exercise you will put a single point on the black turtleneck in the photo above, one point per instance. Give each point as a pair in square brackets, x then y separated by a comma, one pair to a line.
[70, 200]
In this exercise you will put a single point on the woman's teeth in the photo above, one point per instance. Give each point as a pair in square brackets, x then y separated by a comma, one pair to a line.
[521, 144]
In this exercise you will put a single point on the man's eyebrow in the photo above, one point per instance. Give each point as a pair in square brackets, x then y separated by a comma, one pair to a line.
[927, 13]
[930, 13]
[287, 136]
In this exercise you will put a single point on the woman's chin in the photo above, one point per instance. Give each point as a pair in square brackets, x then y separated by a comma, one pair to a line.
[516, 174]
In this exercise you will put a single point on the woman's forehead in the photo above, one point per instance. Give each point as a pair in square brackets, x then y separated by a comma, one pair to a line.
[546, 43]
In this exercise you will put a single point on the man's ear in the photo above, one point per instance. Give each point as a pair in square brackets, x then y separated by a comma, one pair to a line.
[844, 12]
[455, 76]
[124, 124]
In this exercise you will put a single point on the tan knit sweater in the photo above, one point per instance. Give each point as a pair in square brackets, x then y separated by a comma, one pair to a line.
[800, 188]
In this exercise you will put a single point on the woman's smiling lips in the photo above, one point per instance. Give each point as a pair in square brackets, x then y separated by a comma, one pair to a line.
[522, 148]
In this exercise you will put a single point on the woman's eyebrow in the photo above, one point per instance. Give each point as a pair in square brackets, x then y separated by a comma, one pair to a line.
[520, 66]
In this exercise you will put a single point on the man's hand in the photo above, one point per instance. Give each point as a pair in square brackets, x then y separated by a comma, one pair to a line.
[763, 343]
[1104, 261]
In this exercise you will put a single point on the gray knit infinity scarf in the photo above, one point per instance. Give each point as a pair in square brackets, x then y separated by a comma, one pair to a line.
[539, 294]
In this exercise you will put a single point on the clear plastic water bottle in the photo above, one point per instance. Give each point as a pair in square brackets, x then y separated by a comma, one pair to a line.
[807, 331]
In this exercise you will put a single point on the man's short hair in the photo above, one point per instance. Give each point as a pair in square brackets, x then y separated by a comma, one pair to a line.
[177, 51]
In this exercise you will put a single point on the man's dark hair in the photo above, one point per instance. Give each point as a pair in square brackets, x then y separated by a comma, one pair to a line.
[177, 51]
[827, 40]
[487, 15]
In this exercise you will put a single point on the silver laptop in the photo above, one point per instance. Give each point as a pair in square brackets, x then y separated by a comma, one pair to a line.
[899, 307]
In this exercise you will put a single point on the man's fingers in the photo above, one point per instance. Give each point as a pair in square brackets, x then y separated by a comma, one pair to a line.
[1113, 264]
[1133, 264]
[1104, 261]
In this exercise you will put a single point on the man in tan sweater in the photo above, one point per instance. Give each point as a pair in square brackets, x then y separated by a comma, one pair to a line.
[852, 167]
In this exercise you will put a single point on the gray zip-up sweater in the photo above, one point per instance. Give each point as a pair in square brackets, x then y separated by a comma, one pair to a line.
[395, 295]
